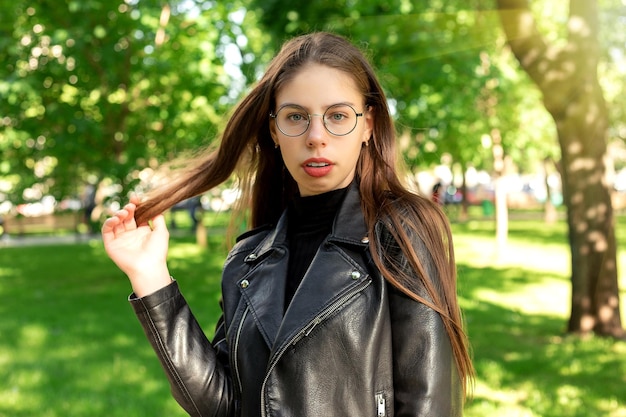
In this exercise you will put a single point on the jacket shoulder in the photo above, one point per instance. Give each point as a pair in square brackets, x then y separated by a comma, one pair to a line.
[252, 232]
[248, 240]
[405, 214]
[408, 222]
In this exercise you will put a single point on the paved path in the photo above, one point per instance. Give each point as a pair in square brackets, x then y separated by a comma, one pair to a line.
[16, 241]
[7, 241]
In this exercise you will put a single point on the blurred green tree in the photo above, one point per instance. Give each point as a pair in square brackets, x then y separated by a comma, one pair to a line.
[98, 90]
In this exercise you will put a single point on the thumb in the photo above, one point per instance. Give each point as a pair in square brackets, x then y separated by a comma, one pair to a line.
[159, 226]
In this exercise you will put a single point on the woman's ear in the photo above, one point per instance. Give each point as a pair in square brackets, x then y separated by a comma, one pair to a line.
[369, 124]
[273, 132]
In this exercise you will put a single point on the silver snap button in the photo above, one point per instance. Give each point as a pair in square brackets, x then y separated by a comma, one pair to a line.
[252, 256]
[355, 275]
[365, 240]
[244, 284]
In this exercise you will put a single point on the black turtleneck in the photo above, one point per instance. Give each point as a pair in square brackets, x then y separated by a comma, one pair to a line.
[310, 221]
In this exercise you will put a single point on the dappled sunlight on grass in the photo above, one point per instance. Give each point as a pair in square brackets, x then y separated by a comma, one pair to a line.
[184, 251]
[477, 246]
[70, 343]
[488, 401]
[32, 336]
[516, 304]
[516, 288]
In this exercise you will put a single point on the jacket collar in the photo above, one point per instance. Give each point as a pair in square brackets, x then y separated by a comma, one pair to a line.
[348, 227]
[318, 289]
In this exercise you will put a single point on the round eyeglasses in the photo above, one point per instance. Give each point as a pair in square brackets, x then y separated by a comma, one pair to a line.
[293, 120]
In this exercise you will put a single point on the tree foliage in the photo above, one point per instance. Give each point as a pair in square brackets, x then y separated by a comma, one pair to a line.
[97, 89]
[94, 89]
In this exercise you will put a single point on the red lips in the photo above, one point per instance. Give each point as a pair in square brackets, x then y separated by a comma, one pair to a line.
[317, 167]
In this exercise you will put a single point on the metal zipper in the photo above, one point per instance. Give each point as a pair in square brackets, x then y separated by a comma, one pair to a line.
[243, 318]
[306, 330]
[380, 405]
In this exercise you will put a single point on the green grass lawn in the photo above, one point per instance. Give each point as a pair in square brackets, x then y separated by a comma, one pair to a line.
[71, 346]
[516, 301]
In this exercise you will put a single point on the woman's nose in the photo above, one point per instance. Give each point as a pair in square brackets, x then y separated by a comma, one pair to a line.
[317, 134]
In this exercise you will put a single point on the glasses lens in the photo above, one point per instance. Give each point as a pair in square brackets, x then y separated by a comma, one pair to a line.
[292, 120]
[340, 119]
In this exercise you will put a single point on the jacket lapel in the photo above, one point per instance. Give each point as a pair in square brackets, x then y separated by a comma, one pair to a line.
[332, 273]
[265, 291]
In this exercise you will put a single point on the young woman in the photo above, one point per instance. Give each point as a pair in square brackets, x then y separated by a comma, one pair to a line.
[341, 301]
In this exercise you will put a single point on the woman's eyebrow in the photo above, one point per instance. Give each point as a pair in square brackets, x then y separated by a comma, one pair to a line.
[289, 104]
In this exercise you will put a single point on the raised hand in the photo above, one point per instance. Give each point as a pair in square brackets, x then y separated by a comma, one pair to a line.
[139, 250]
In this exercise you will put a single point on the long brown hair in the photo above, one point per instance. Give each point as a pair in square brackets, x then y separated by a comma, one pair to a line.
[247, 148]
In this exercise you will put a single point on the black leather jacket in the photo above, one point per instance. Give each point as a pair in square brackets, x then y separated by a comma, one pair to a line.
[348, 345]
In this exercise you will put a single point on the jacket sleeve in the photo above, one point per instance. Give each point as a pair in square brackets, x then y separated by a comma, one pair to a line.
[197, 370]
[426, 381]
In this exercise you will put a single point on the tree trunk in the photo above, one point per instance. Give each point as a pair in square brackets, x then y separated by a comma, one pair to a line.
[567, 77]
[501, 207]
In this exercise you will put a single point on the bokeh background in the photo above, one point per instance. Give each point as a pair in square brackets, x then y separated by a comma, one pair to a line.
[510, 113]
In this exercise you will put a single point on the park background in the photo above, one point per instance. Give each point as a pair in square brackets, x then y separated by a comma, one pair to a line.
[517, 107]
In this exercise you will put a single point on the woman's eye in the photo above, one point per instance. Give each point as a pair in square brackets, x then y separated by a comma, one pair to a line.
[296, 117]
[337, 117]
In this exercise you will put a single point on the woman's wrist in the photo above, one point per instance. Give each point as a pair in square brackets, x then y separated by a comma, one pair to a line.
[147, 285]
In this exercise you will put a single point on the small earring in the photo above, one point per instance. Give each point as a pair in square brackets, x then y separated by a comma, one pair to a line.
[275, 145]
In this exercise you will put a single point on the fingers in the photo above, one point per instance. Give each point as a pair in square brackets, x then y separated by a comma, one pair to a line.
[121, 221]
[127, 216]
[134, 199]
[109, 224]
[124, 221]
[108, 230]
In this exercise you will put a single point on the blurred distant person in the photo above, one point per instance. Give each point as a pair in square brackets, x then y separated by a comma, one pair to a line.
[437, 194]
[89, 205]
[193, 206]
